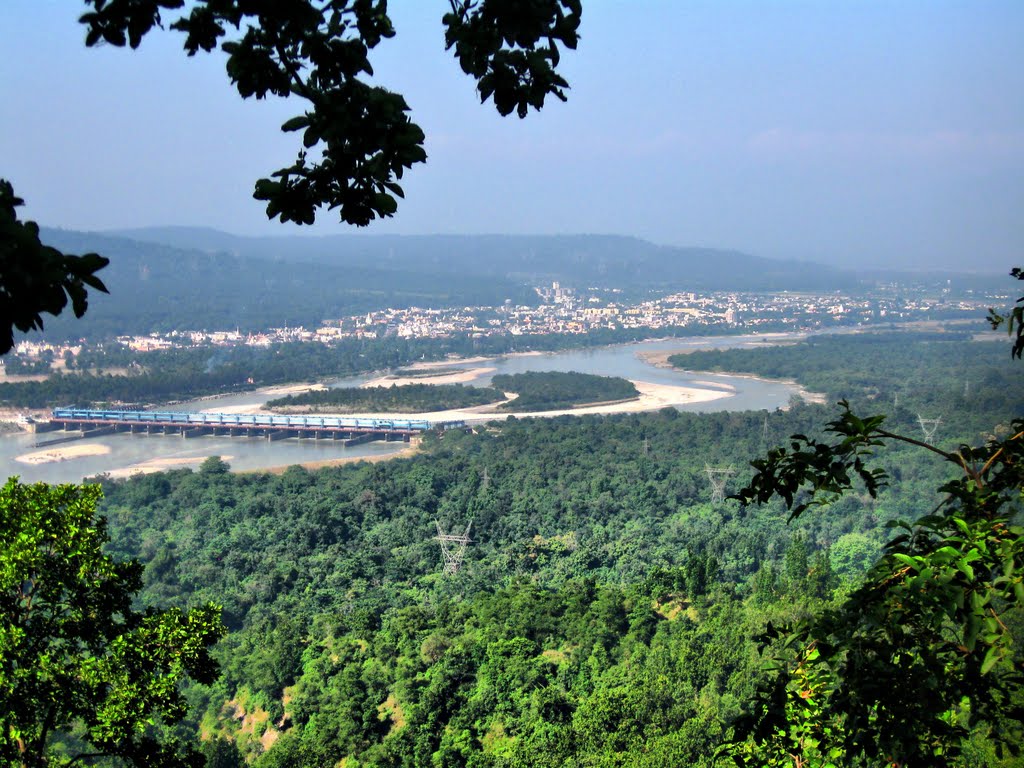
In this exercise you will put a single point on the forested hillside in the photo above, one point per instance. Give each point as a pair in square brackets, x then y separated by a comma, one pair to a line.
[606, 610]
[627, 263]
[159, 288]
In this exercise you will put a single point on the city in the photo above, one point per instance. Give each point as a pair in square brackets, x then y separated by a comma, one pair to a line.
[564, 311]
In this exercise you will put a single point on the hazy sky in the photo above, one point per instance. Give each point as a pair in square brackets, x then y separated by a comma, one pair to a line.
[872, 133]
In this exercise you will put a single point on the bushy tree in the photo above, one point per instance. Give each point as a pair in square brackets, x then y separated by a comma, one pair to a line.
[79, 666]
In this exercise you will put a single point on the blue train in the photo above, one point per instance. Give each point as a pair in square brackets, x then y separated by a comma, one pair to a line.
[250, 420]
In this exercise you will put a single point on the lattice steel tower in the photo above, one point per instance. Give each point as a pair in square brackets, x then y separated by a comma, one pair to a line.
[453, 547]
[928, 426]
[718, 476]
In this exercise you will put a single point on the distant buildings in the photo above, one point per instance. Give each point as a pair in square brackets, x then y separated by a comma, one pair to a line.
[564, 311]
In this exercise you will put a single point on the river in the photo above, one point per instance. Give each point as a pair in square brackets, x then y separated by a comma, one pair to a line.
[123, 454]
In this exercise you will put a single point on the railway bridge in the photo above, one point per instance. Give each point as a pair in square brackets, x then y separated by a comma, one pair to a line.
[270, 427]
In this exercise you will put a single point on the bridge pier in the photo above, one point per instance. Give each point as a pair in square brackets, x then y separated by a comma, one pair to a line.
[366, 437]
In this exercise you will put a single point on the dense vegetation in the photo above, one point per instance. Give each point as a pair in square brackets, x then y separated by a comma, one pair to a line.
[410, 398]
[605, 612]
[555, 390]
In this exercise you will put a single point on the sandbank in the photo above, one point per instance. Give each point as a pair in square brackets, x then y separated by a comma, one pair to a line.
[291, 389]
[457, 377]
[427, 366]
[63, 453]
[248, 409]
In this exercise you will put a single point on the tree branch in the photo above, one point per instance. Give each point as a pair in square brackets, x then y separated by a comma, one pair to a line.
[954, 457]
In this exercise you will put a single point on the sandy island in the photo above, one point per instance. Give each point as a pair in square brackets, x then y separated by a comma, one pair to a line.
[456, 377]
[63, 453]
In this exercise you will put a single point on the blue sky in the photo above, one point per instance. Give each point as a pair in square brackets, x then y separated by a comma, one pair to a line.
[869, 133]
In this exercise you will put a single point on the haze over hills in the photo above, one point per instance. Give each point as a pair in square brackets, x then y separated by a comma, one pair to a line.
[156, 287]
[607, 261]
[185, 278]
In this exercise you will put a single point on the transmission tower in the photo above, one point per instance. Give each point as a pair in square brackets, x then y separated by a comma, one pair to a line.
[718, 476]
[764, 431]
[928, 426]
[485, 480]
[453, 547]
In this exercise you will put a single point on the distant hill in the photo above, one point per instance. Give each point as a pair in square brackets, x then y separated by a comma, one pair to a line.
[159, 287]
[576, 260]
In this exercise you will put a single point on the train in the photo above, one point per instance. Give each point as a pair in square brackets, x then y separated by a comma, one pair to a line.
[185, 418]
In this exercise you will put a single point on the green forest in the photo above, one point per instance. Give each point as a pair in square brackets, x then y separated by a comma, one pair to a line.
[408, 398]
[554, 390]
[607, 611]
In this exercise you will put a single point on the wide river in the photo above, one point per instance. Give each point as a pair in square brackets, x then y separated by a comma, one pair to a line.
[123, 454]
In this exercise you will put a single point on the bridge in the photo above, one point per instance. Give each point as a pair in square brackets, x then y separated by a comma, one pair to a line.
[271, 427]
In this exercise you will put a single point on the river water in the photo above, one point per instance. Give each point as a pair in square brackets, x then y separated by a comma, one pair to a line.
[125, 453]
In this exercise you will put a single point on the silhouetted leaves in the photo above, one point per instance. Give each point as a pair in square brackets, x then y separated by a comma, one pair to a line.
[357, 139]
[1014, 321]
[511, 48]
[35, 278]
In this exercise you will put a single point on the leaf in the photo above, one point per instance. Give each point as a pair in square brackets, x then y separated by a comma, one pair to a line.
[992, 656]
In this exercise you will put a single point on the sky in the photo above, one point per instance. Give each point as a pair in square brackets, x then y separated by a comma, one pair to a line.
[854, 133]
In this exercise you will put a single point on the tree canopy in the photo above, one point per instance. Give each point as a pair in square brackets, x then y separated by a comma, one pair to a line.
[77, 663]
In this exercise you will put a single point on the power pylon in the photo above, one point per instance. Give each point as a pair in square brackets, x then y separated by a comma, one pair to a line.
[453, 548]
[928, 426]
[718, 476]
